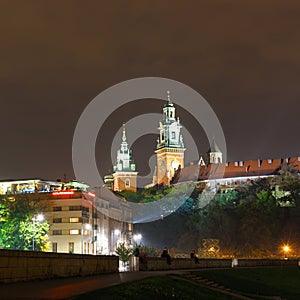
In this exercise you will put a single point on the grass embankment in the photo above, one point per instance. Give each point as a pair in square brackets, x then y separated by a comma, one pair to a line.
[154, 288]
[274, 281]
[253, 282]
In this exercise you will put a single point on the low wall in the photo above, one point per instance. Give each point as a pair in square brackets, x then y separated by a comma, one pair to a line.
[155, 264]
[30, 265]
[267, 262]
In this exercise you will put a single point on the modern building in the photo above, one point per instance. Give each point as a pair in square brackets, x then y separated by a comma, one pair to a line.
[80, 221]
[12, 186]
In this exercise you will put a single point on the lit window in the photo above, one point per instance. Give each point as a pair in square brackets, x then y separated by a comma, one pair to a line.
[74, 231]
[269, 161]
[236, 163]
[74, 220]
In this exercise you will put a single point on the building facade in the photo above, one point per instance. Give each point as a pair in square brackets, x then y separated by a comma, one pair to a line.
[81, 221]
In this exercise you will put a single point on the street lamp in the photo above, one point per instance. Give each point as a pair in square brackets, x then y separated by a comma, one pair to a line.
[137, 237]
[39, 218]
[286, 249]
[116, 233]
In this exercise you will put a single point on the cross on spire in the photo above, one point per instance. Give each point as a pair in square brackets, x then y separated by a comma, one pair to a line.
[124, 133]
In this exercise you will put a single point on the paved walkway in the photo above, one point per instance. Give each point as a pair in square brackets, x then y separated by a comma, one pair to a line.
[65, 288]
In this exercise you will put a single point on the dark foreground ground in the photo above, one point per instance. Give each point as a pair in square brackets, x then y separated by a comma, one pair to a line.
[241, 283]
[246, 283]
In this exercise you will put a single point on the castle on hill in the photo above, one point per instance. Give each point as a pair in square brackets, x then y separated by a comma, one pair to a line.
[170, 168]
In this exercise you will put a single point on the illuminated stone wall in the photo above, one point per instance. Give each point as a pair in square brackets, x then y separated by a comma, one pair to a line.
[26, 265]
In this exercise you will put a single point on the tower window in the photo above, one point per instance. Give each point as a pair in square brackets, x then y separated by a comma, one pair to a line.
[173, 135]
[127, 182]
[171, 114]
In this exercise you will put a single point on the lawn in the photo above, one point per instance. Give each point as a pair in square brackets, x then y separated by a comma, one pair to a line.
[273, 281]
[154, 288]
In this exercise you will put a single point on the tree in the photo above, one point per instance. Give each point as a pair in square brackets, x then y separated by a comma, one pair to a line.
[18, 228]
[124, 253]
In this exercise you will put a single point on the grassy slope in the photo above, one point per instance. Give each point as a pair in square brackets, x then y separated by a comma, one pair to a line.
[283, 282]
[154, 288]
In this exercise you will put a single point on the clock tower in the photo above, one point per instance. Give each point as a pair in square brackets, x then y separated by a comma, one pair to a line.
[170, 148]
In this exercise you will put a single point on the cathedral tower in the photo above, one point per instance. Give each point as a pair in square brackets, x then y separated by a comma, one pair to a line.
[170, 148]
[124, 176]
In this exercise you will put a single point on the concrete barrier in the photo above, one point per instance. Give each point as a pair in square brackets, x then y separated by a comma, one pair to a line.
[29, 265]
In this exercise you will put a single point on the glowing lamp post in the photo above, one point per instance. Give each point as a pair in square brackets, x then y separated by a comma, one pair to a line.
[39, 218]
[116, 234]
[286, 249]
[137, 237]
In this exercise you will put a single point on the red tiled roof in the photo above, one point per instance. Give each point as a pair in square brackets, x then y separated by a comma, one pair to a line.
[235, 169]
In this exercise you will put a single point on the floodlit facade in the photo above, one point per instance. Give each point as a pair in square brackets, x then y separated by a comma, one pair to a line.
[80, 221]
[170, 147]
[84, 223]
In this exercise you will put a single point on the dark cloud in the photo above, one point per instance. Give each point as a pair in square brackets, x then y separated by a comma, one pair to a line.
[242, 56]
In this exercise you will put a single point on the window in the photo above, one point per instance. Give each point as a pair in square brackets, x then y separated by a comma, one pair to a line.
[269, 161]
[85, 211]
[173, 135]
[74, 207]
[74, 231]
[241, 163]
[236, 163]
[57, 220]
[71, 247]
[57, 208]
[74, 220]
[54, 247]
[57, 232]
[127, 182]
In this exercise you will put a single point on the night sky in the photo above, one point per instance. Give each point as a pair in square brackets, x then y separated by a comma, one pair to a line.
[243, 57]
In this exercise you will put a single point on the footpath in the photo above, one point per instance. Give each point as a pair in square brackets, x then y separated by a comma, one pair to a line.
[66, 288]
